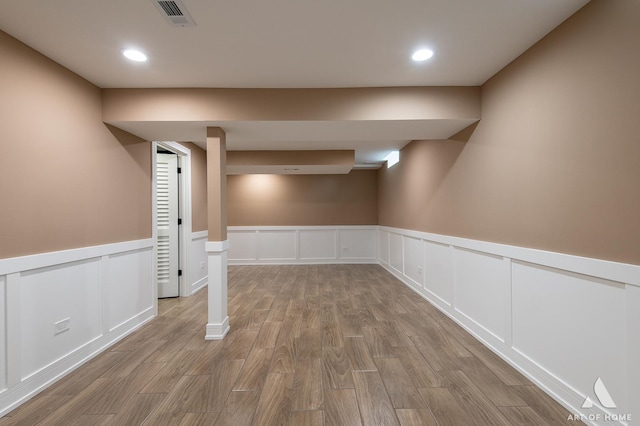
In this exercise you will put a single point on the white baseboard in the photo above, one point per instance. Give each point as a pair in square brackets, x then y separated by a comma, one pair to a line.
[199, 285]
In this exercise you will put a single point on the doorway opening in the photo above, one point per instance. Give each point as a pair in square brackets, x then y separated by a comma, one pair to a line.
[171, 218]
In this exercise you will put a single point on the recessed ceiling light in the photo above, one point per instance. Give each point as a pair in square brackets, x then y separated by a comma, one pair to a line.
[134, 55]
[422, 55]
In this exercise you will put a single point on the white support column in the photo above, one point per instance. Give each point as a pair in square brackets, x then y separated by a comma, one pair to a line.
[218, 325]
[218, 244]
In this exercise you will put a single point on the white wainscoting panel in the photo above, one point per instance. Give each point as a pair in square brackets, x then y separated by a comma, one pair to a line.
[557, 312]
[129, 286]
[356, 244]
[395, 252]
[438, 272]
[317, 244]
[302, 244]
[564, 321]
[198, 272]
[383, 247]
[102, 293]
[277, 245]
[480, 291]
[3, 337]
[243, 245]
[48, 295]
[413, 260]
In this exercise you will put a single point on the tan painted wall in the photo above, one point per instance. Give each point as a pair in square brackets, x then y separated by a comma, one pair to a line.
[198, 187]
[66, 179]
[202, 104]
[555, 162]
[303, 200]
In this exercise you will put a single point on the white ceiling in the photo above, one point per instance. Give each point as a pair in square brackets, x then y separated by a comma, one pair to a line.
[288, 43]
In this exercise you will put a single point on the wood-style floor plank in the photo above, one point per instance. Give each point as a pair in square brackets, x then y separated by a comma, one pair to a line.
[400, 388]
[268, 335]
[445, 407]
[471, 397]
[122, 389]
[171, 373]
[418, 368]
[309, 345]
[307, 418]
[336, 368]
[38, 409]
[342, 408]
[239, 409]
[73, 384]
[359, 355]
[413, 417]
[174, 406]
[215, 392]
[375, 405]
[254, 371]
[275, 401]
[199, 419]
[307, 385]
[138, 409]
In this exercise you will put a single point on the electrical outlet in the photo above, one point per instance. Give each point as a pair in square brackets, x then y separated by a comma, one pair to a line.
[201, 265]
[419, 270]
[60, 326]
[345, 249]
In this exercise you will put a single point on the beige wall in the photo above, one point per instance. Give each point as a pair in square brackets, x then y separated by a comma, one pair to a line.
[66, 179]
[303, 200]
[198, 187]
[342, 104]
[555, 161]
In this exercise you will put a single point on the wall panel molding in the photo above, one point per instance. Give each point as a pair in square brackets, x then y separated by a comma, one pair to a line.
[199, 267]
[257, 245]
[563, 321]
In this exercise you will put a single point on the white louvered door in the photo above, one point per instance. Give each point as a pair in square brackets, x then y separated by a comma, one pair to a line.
[167, 202]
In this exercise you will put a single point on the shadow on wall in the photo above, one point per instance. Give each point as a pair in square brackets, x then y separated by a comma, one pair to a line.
[465, 134]
[138, 148]
[408, 191]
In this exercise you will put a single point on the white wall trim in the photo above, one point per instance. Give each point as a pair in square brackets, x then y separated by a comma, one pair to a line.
[534, 309]
[42, 289]
[262, 245]
[199, 262]
[199, 285]
[199, 235]
[614, 271]
[44, 260]
[216, 246]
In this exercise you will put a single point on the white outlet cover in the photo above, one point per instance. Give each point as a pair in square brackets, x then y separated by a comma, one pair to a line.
[60, 326]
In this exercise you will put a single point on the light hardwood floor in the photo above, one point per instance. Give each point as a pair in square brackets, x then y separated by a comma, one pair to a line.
[309, 345]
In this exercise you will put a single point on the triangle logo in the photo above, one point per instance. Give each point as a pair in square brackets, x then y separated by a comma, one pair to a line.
[603, 396]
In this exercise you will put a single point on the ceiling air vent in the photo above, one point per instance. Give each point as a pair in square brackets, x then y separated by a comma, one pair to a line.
[175, 12]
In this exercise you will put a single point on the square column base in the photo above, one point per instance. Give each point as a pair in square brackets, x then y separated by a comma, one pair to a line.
[217, 331]
[218, 320]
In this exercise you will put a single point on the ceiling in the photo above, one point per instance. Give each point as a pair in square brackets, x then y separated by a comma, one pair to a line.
[289, 44]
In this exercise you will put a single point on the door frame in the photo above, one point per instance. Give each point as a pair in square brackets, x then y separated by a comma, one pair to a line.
[184, 206]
